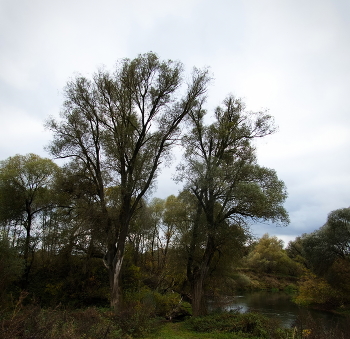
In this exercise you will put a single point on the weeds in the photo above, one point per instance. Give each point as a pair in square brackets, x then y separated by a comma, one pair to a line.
[32, 322]
[308, 328]
[233, 322]
[139, 319]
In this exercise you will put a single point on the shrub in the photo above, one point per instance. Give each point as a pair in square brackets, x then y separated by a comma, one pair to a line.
[234, 322]
[33, 322]
[315, 290]
[307, 327]
[11, 267]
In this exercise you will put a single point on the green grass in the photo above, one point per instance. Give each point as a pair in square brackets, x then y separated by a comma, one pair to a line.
[180, 331]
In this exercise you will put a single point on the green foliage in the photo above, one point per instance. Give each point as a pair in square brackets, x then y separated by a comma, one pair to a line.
[291, 289]
[34, 322]
[315, 290]
[233, 322]
[25, 183]
[11, 266]
[268, 256]
[180, 331]
[339, 276]
[227, 186]
[326, 252]
[75, 281]
[166, 305]
[322, 247]
[25, 193]
[118, 127]
[142, 308]
[295, 251]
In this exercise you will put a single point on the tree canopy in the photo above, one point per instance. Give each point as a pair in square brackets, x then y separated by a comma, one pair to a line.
[220, 170]
[25, 192]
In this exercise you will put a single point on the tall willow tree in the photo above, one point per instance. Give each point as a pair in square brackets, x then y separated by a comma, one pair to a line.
[119, 127]
[220, 170]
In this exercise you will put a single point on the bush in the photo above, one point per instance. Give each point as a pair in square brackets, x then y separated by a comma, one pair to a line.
[11, 267]
[307, 327]
[33, 322]
[168, 305]
[315, 290]
[234, 322]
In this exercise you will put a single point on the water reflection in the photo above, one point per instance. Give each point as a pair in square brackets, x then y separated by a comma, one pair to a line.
[276, 305]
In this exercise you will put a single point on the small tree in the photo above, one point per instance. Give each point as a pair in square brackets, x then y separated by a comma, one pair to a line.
[25, 193]
[268, 256]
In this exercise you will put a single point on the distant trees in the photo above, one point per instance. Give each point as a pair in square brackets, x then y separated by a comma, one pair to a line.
[268, 256]
[118, 128]
[329, 243]
[26, 192]
[221, 173]
[326, 254]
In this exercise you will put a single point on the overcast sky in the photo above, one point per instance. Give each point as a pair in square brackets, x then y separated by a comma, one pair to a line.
[289, 56]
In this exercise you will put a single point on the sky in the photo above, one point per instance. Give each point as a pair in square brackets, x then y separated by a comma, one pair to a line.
[291, 57]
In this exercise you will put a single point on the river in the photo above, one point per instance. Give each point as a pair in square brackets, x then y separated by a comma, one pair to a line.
[278, 305]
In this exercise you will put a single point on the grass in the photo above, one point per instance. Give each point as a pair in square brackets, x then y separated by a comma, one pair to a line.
[181, 331]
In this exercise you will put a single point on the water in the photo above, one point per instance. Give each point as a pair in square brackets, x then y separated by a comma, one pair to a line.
[277, 305]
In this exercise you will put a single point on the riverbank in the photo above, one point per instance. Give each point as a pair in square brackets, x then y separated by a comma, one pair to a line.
[35, 322]
[181, 331]
[248, 280]
[250, 325]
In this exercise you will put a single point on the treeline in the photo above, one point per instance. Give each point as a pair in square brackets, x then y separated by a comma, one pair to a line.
[325, 256]
[53, 247]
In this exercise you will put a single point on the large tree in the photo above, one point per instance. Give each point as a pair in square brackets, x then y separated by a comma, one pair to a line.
[26, 192]
[119, 127]
[221, 171]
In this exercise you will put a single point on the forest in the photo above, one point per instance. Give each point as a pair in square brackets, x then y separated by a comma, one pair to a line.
[86, 251]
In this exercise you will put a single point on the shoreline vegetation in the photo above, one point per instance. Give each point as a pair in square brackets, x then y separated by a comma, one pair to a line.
[75, 306]
[49, 310]
[154, 316]
[34, 322]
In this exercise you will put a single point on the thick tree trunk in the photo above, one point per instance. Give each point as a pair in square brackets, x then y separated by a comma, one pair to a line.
[116, 255]
[116, 295]
[198, 302]
[197, 276]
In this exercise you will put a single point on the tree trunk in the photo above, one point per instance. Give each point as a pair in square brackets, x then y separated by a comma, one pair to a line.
[116, 255]
[198, 302]
[27, 261]
[116, 295]
[197, 277]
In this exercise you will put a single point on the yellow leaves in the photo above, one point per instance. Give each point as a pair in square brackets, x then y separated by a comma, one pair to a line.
[306, 333]
[314, 290]
[54, 289]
